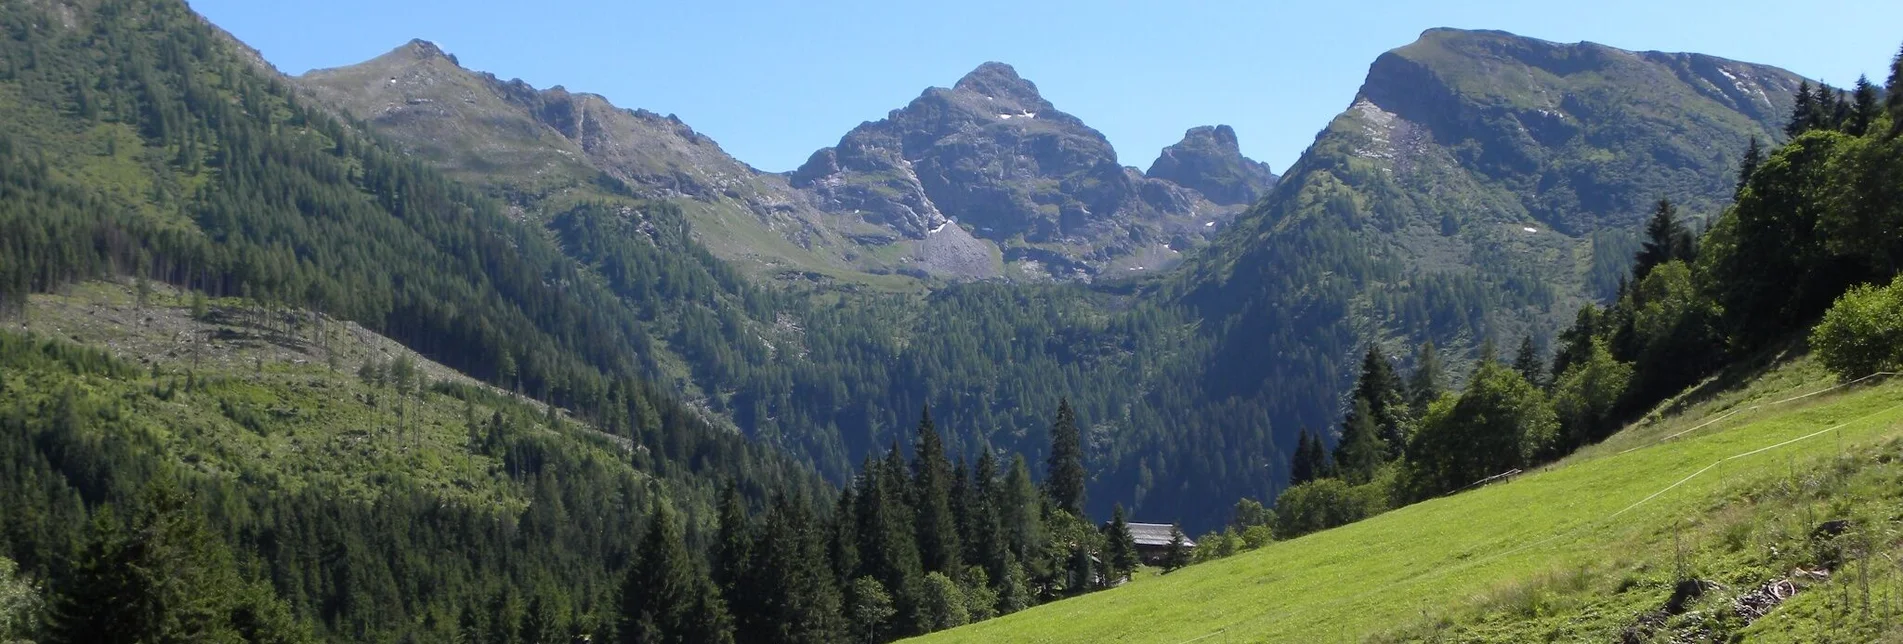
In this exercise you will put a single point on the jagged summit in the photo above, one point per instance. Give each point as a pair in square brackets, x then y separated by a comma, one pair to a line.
[1000, 81]
[1209, 160]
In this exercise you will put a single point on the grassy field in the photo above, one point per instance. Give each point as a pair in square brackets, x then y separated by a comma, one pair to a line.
[1590, 550]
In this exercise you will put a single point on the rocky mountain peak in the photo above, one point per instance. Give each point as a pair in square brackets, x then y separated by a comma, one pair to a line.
[1209, 160]
[423, 50]
[999, 81]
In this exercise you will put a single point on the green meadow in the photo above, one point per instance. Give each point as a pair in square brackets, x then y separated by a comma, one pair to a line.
[1590, 549]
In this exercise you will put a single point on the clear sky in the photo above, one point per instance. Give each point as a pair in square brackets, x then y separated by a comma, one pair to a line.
[773, 81]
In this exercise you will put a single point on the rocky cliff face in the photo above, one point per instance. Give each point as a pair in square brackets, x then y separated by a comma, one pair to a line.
[993, 155]
[1209, 161]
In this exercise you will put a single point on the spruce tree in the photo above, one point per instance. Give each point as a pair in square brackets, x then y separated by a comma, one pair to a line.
[665, 597]
[843, 551]
[1753, 157]
[1387, 400]
[1893, 94]
[938, 545]
[1361, 449]
[791, 596]
[1823, 108]
[1575, 343]
[1840, 112]
[733, 544]
[1864, 108]
[888, 547]
[1527, 362]
[1065, 469]
[1020, 512]
[984, 542]
[1120, 548]
[1178, 554]
[1666, 239]
[1803, 111]
[1424, 385]
[1302, 466]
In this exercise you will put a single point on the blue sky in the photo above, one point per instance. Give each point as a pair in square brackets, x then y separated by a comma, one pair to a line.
[773, 81]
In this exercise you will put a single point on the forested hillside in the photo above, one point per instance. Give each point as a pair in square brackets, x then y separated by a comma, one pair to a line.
[138, 141]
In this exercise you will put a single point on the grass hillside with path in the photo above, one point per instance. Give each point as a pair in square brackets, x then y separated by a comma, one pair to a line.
[1590, 549]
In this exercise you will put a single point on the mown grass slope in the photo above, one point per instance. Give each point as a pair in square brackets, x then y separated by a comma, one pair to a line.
[1588, 550]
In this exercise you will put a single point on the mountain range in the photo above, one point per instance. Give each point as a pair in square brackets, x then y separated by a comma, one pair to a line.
[1035, 193]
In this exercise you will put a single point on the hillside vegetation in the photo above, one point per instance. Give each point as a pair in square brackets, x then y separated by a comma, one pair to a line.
[1588, 550]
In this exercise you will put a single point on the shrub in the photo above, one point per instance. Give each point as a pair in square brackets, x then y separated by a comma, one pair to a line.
[1319, 505]
[1862, 333]
[944, 603]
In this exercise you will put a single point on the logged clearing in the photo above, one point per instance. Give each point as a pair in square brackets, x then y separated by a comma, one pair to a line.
[1774, 523]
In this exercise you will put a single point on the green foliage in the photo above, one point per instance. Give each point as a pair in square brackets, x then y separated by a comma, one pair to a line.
[1178, 553]
[665, 597]
[1066, 465]
[1498, 423]
[20, 604]
[788, 593]
[1863, 332]
[938, 543]
[944, 603]
[1120, 548]
[1310, 461]
[1586, 397]
[1318, 505]
[868, 609]
[162, 577]
[1361, 449]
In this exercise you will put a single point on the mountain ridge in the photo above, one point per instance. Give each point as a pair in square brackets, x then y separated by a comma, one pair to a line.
[874, 214]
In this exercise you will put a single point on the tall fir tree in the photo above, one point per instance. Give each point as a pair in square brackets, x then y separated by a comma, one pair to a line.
[1666, 239]
[1302, 467]
[1065, 469]
[984, 544]
[791, 596]
[1021, 513]
[1528, 363]
[665, 597]
[1425, 384]
[161, 577]
[733, 544]
[1803, 111]
[1575, 343]
[1120, 547]
[1840, 110]
[1387, 400]
[1864, 108]
[1893, 93]
[888, 546]
[1361, 449]
[938, 546]
[1753, 157]
[1178, 553]
[843, 550]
